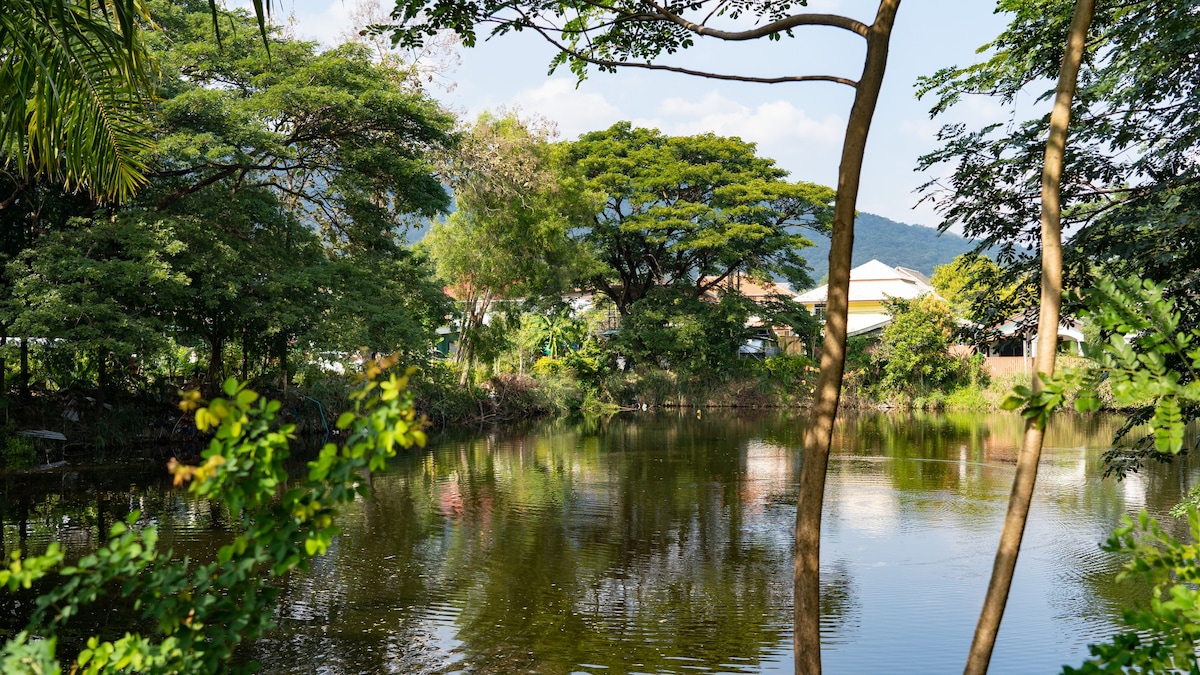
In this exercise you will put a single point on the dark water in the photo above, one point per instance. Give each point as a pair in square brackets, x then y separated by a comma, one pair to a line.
[662, 544]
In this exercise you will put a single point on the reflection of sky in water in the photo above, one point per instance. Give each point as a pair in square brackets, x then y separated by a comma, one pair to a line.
[662, 543]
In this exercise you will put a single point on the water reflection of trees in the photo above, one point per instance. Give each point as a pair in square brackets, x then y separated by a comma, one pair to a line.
[76, 507]
[637, 545]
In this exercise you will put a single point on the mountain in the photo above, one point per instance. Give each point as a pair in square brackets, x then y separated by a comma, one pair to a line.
[913, 246]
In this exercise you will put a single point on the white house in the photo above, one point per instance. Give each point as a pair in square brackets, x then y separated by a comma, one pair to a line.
[870, 285]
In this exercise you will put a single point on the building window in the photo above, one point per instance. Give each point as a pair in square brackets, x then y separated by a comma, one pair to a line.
[819, 311]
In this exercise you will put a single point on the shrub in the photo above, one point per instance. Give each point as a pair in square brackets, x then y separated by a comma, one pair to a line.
[548, 365]
[785, 369]
[19, 452]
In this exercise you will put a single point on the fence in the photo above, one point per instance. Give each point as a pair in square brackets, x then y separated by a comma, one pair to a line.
[1006, 366]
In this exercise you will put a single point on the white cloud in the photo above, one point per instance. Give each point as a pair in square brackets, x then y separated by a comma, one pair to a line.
[574, 110]
[921, 129]
[777, 126]
[327, 25]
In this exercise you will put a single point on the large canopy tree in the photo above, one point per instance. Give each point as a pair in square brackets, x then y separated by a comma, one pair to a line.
[639, 34]
[346, 143]
[692, 213]
[284, 185]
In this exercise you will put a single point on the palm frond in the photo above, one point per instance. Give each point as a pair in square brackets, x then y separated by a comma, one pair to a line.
[75, 77]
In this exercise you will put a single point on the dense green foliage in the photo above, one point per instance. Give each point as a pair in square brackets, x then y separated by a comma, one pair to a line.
[271, 228]
[914, 348]
[980, 291]
[690, 213]
[682, 221]
[670, 329]
[508, 240]
[200, 613]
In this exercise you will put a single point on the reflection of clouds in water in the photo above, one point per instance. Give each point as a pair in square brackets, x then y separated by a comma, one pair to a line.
[1133, 492]
[768, 473]
[1064, 468]
[868, 505]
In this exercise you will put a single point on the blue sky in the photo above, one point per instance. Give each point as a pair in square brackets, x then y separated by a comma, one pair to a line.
[798, 124]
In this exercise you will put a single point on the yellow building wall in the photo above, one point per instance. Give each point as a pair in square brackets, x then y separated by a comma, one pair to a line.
[858, 307]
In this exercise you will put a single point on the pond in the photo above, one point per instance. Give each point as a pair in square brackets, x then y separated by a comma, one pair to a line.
[661, 543]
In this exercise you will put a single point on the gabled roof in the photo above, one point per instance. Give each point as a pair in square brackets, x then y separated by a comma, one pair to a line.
[875, 281]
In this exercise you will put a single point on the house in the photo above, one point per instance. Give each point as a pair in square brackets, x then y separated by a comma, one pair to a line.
[1018, 336]
[871, 284]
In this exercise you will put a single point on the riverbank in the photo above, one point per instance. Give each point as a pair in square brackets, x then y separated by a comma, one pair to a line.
[133, 424]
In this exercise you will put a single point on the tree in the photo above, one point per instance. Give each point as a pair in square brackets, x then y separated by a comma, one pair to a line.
[508, 238]
[281, 186]
[76, 83]
[914, 348]
[691, 213]
[347, 148]
[386, 303]
[979, 290]
[236, 269]
[347, 144]
[1131, 181]
[97, 286]
[634, 33]
[1007, 72]
[688, 334]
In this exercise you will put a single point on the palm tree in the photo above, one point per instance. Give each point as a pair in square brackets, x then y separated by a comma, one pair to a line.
[73, 78]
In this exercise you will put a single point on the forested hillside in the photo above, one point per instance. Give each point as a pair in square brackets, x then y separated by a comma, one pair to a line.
[914, 246]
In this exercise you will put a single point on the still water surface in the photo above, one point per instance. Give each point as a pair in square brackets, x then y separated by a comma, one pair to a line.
[661, 543]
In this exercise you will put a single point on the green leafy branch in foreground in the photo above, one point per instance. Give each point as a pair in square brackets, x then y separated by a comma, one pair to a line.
[1163, 639]
[1149, 363]
[201, 613]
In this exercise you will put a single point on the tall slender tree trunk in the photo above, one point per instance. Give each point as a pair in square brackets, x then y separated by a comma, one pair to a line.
[24, 378]
[216, 362]
[283, 361]
[473, 319]
[819, 434]
[1051, 303]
